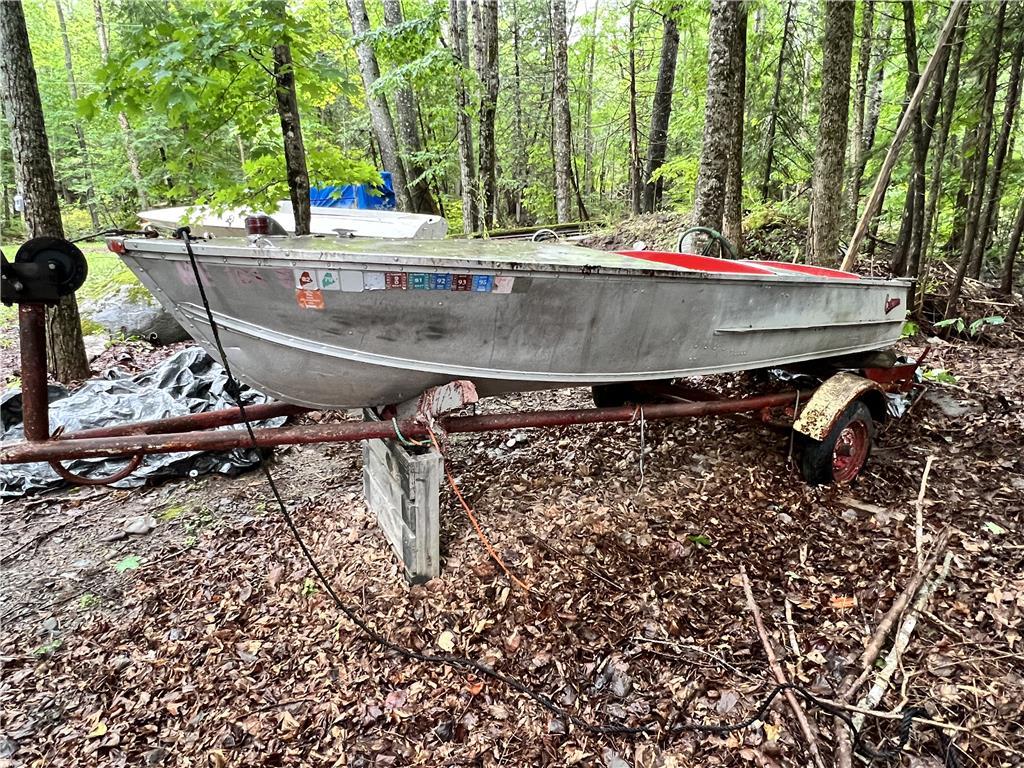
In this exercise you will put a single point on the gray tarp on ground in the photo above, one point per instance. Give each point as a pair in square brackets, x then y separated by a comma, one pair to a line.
[189, 382]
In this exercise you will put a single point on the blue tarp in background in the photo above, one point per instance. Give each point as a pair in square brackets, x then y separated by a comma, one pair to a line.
[356, 195]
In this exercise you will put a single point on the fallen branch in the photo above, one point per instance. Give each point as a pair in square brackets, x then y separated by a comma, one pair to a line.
[884, 715]
[919, 529]
[850, 686]
[902, 641]
[780, 675]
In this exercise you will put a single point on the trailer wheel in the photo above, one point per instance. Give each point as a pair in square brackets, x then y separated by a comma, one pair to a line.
[840, 457]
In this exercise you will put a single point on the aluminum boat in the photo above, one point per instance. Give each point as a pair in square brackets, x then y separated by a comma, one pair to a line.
[327, 322]
[324, 220]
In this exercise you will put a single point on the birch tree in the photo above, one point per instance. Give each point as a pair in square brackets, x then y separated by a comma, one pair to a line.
[90, 192]
[380, 115]
[128, 139]
[458, 42]
[562, 126]
[421, 199]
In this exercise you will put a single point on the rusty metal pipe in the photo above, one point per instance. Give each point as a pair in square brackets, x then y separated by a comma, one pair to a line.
[204, 420]
[35, 404]
[352, 431]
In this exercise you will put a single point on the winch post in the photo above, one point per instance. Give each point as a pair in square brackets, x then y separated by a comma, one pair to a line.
[35, 404]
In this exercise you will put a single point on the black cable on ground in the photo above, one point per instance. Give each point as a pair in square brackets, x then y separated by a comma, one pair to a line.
[233, 387]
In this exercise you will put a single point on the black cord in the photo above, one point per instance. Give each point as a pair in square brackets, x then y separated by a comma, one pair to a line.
[233, 388]
[115, 232]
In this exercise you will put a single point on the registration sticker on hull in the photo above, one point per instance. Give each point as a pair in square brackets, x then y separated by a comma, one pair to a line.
[308, 299]
[328, 279]
[354, 281]
[305, 280]
[503, 284]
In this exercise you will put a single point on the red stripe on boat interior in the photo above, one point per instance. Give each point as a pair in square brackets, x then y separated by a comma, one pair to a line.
[808, 269]
[698, 263]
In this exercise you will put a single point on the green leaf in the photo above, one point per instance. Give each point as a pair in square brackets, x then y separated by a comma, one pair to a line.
[700, 539]
[129, 563]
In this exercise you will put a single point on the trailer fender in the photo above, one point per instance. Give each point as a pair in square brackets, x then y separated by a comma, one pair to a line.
[832, 398]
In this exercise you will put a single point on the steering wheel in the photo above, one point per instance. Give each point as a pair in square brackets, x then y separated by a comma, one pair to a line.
[724, 246]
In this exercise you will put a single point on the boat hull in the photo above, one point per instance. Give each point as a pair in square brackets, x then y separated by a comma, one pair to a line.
[382, 337]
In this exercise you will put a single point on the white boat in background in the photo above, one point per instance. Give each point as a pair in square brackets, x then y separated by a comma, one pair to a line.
[324, 220]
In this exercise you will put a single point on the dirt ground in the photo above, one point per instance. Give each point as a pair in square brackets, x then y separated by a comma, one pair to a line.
[207, 641]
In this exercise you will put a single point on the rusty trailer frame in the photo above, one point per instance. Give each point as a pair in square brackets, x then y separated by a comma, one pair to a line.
[133, 441]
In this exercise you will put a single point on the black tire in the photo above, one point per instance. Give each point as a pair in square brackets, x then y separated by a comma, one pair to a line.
[818, 460]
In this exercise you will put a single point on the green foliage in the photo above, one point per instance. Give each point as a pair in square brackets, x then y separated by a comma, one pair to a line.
[129, 563]
[975, 328]
[939, 376]
[194, 80]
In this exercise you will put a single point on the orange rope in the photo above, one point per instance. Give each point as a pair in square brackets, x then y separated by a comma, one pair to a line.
[472, 519]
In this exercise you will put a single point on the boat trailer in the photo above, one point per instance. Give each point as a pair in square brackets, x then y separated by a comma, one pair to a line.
[834, 423]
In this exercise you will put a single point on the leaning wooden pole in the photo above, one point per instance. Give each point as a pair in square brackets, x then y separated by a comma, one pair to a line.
[875, 198]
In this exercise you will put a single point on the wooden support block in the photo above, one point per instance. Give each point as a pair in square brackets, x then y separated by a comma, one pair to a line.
[401, 487]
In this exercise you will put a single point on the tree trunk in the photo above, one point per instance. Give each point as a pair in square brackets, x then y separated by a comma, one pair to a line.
[522, 157]
[773, 113]
[948, 103]
[458, 34]
[732, 224]
[912, 210]
[874, 113]
[380, 116]
[134, 168]
[487, 37]
[635, 171]
[1006, 281]
[33, 174]
[420, 198]
[859, 100]
[991, 205]
[562, 121]
[709, 200]
[826, 199]
[661, 109]
[90, 192]
[981, 148]
[291, 131]
[588, 132]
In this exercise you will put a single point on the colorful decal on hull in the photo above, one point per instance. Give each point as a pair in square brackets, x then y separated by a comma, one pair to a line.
[309, 299]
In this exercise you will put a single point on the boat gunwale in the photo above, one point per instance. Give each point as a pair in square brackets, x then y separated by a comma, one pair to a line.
[248, 255]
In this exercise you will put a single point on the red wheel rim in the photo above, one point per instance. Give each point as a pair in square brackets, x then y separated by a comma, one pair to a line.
[850, 451]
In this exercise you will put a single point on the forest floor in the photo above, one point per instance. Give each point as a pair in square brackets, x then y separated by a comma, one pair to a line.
[207, 641]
